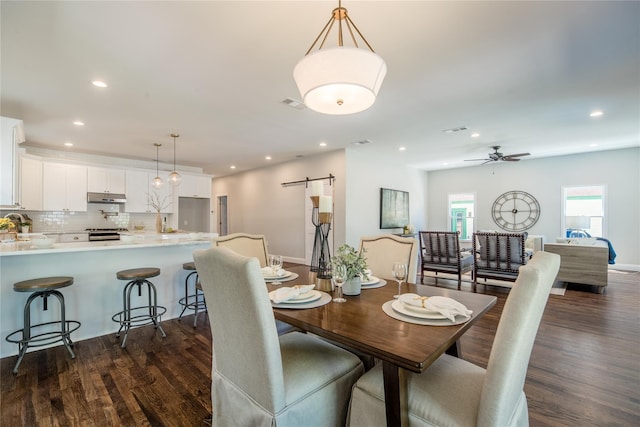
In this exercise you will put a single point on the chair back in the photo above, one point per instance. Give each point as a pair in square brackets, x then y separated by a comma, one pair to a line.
[509, 358]
[246, 350]
[251, 245]
[440, 246]
[383, 250]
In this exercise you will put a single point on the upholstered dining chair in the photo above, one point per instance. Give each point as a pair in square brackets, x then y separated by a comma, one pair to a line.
[251, 245]
[258, 377]
[453, 392]
[383, 250]
[440, 252]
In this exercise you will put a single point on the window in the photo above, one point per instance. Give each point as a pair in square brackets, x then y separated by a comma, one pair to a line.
[462, 208]
[583, 211]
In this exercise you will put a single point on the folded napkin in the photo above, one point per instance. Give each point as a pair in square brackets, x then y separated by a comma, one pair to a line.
[448, 307]
[268, 272]
[285, 294]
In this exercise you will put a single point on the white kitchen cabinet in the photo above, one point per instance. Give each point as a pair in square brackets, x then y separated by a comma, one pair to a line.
[195, 186]
[138, 188]
[64, 187]
[30, 184]
[104, 180]
[11, 134]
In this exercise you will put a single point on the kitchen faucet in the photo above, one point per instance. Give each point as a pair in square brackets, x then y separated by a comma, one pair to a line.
[21, 219]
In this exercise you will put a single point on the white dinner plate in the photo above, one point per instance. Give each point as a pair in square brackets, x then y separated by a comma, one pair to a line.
[286, 274]
[310, 296]
[372, 281]
[400, 308]
[417, 309]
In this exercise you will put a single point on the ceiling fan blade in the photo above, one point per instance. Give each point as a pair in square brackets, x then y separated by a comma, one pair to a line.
[510, 159]
[518, 155]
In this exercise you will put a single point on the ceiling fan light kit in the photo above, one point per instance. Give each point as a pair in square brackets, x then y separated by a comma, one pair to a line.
[496, 156]
[343, 79]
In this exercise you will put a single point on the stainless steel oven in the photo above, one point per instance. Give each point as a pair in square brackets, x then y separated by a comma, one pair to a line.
[98, 234]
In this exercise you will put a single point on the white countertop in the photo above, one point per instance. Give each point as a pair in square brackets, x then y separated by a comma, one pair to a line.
[142, 240]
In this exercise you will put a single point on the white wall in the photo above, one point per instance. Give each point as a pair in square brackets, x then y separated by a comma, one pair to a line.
[544, 178]
[259, 204]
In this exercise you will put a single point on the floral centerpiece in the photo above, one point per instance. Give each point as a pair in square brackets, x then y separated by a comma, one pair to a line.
[353, 262]
[6, 225]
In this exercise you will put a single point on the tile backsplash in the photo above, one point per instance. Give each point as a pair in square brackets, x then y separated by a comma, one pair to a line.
[94, 217]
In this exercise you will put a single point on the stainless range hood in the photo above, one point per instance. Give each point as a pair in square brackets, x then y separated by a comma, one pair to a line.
[106, 198]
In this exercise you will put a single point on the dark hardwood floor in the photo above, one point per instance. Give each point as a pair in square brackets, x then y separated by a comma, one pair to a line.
[584, 370]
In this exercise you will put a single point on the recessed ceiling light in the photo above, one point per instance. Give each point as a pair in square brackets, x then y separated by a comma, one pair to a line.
[596, 113]
[78, 123]
[593, 145]
[475, 135]
[445, 163]
[402, 148]
[267, 157]
[68, 144]
[98, 83]
[323, 144]
[233, 166]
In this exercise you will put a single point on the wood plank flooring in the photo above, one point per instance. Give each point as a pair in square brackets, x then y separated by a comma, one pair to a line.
[584, 370]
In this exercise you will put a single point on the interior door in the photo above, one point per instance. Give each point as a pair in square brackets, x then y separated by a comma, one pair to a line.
[223, 220]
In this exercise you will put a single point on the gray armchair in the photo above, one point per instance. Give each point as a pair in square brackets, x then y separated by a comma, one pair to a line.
[440, 252]
[258, 377]
[499, 255]
[454, 392]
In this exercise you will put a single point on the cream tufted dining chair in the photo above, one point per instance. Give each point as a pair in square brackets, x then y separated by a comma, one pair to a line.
[258, 377]
[251, 245]
[383, 250]
[453, 392]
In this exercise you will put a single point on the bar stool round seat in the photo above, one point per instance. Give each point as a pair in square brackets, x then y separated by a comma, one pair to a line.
[133, 317]
[192, 301]
[43, 334]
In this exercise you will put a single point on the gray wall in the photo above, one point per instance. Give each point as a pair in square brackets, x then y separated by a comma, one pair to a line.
[544, 178]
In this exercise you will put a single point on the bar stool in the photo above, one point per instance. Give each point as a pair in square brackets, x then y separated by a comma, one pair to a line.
[133, 317]
[197, 302]
[43, 287]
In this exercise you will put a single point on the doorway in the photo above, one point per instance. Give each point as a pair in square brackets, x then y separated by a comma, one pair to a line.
[223, 220]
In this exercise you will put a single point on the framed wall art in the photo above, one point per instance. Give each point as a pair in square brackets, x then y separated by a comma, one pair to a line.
[394, 208]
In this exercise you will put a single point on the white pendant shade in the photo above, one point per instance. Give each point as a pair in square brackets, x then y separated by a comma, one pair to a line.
[175, 178]
[157, 182]
[340, 80]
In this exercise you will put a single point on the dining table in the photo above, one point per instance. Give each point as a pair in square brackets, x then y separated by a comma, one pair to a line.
[401, 346]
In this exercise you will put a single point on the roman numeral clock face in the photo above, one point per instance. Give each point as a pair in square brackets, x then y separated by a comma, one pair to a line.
[515, 211]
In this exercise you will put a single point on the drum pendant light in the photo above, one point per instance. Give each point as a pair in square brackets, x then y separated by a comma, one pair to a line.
[174, 177]
[157, 181]
[341, 79]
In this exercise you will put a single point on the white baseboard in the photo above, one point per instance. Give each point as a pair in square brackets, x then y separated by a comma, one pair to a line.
[625, 267]
[294, 260]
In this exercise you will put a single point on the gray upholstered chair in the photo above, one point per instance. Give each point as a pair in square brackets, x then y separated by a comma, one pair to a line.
[258, 377]
[440, 252]
[383, 250]
[453, 392]
[251, 245]
[499, 255]
[255, 246]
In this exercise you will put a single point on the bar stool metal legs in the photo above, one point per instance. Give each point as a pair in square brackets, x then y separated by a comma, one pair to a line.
[132, 317]
[193, 301]
[25, 337]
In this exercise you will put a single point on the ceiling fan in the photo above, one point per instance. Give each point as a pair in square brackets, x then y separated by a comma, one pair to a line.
[496, 156]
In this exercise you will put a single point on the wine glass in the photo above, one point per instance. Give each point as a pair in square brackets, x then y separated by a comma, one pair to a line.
[399, 271]
[275, 262]
[338, 276]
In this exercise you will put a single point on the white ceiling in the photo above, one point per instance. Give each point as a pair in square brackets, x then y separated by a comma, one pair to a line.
[525, 75]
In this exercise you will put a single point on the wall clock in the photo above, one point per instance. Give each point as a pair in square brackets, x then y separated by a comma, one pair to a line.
[515, 211]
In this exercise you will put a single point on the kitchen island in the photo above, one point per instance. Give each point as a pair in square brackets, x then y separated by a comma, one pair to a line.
[96, 293]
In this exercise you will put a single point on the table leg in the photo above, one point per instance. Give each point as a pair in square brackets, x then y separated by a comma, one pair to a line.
[395, 394]
[454, 350]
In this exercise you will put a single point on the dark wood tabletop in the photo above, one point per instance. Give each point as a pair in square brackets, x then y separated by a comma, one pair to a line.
[361, 324]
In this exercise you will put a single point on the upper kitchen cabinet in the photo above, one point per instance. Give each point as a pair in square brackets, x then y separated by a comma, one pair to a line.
[195, 186]
[103, 180]
[138, 189]
[64, 187]
[11, 134]
[30, 184]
